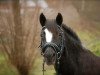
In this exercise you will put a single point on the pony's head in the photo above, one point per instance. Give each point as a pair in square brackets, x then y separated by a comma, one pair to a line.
[51, 38]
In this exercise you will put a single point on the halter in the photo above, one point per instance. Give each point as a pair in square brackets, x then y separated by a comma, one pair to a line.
[58, 49]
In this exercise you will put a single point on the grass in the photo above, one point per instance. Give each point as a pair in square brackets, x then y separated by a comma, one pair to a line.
[5, 67]
[86, 37]
[91, 42]
[38, 70]
[95, 47]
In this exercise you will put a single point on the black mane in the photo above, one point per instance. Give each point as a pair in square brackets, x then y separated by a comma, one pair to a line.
[71, 33]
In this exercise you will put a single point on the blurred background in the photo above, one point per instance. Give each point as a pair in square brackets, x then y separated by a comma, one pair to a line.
[20, 31]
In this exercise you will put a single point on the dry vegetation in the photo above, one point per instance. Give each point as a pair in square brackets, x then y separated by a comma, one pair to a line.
[18, 34]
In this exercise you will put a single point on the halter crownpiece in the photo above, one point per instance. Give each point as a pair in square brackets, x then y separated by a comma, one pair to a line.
[58, 49]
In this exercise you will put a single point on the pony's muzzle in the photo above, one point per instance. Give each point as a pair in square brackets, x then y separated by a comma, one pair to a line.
[49, 56]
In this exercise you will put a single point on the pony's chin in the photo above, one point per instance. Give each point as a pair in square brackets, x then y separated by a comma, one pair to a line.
[50, 63]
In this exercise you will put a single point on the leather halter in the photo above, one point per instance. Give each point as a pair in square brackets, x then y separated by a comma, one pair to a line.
[58, 49]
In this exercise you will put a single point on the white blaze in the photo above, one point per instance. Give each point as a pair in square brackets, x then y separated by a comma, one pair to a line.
[48, 35]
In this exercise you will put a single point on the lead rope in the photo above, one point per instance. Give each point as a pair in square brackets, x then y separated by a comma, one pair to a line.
[43, 70]
[57, 67]
[58, 62]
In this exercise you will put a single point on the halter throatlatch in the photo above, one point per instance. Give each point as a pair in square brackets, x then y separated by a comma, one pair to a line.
[58, 49]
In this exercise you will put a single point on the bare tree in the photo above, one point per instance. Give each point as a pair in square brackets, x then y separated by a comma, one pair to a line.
[19, 37]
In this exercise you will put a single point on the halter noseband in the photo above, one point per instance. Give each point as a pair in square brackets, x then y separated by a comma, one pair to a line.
[58, 49]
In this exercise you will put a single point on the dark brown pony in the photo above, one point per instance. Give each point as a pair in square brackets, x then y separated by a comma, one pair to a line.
[62, 48]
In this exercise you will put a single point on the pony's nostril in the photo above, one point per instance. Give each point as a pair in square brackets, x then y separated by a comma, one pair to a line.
[53, 54]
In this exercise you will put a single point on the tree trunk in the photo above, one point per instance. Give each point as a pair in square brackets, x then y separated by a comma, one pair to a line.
[23, 69]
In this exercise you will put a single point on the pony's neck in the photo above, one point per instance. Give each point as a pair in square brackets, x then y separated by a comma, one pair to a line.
[72, 49]
[69, 59]
[72, 42]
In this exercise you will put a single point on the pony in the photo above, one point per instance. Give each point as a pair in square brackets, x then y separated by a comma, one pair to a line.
[61, 47]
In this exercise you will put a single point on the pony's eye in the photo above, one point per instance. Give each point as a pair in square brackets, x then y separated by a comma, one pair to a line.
[42, 34]
[60, 34]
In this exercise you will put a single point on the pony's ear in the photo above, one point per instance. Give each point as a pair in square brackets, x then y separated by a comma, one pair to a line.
[42, 19]
[59, 19]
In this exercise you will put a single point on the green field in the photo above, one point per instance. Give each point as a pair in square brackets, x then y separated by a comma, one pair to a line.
[5, 66]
